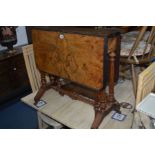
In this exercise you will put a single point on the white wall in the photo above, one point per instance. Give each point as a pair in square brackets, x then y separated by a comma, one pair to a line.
[21, 37]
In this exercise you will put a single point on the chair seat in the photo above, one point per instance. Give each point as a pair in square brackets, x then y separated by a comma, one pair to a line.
[128, 40]
[133, 35]
[126, 48]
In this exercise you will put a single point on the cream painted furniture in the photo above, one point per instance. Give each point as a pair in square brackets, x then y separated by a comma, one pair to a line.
[146, 83]
[44, 122]
[33, 73]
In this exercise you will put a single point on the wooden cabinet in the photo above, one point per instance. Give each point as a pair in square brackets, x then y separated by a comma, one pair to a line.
[13, 76]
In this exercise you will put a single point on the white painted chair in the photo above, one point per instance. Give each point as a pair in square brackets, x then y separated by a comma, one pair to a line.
[146, 83]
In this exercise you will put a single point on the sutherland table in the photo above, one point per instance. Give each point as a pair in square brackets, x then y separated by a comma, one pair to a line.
[79, 63]
[77, 115]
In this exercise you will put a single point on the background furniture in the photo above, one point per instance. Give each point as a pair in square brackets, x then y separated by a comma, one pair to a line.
[146, 83]
[33, 73]
[13, 76]
[8, 36]
[136, 50]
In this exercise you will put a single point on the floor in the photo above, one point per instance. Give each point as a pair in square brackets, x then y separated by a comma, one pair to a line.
[16, 115]
[78, 115]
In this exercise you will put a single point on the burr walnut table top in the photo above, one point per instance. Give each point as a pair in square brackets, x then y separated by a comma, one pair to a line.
[73, 54]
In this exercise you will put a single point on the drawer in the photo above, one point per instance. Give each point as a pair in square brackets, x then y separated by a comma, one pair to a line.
[72, 62]
[45, 37]
[57, 38]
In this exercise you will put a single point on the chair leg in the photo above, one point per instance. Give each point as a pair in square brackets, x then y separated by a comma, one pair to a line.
[124, 72]
[134, 79]
[40, 122]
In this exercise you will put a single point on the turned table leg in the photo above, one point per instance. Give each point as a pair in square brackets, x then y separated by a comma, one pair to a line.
[105, 103]
[102, 109]
[112, 59]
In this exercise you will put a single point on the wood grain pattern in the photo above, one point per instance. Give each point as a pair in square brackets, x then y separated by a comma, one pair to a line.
[78, 58]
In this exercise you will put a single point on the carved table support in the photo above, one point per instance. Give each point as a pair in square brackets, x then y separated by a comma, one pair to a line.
[53, 80]
[112, 55]
[112, 58]
[42, 89]
[101, 107]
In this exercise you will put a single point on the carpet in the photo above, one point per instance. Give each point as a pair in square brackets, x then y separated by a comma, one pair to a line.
[16, 115]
